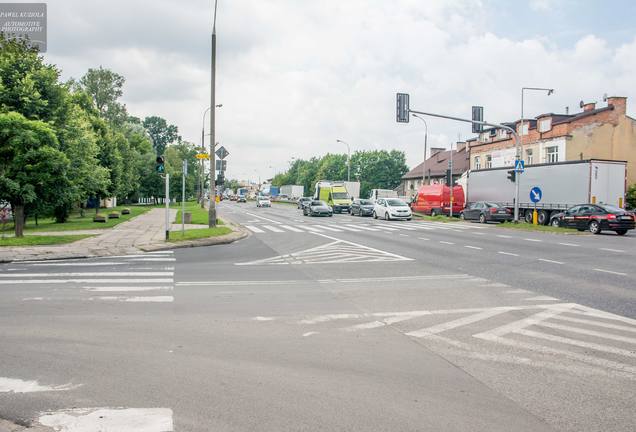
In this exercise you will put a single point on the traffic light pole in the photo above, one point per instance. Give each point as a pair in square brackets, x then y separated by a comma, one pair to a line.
[212, 210]
[167, 206]
[495, 125]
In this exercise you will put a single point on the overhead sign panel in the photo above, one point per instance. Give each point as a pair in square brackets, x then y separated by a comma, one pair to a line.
[402, 114]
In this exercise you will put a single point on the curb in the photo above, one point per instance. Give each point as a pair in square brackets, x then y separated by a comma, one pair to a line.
[236, 235]
[8, 426]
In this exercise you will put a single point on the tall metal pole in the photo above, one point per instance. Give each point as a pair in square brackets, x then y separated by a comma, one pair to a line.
[452, 184]
[212, 210]
[184, 173]
[167, 206]
[348, 158]
[425, 146]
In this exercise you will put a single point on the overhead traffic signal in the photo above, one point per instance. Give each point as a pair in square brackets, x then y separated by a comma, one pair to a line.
[512, 175]
[160, 167]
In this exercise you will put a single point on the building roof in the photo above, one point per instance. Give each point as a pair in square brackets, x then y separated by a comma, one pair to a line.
[437, 164]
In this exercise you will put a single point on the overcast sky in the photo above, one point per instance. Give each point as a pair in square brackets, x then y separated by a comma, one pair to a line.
[295, 75]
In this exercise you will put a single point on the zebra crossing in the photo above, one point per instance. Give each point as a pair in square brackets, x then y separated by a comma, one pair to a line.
[135, 278]
[261, 227]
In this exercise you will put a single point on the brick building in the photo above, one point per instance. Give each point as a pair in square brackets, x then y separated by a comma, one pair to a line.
[594, 133]
[436, 166]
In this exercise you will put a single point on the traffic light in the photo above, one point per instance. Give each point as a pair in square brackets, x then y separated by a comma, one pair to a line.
[160, 167]
[449, 178]
[512, 175]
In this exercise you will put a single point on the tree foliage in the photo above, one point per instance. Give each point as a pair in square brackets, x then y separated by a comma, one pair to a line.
[161, 133]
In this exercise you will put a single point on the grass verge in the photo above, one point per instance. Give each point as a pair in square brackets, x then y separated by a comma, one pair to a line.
[199, 215]
[523, 226]
[193, 234]
[438, 218]
[78, 222]
[35, 240]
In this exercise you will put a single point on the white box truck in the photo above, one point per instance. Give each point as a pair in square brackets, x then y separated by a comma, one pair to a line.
[353, 188]
[562, 185]
[292, 191]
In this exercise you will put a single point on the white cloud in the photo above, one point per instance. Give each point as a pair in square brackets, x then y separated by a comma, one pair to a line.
[295, 76]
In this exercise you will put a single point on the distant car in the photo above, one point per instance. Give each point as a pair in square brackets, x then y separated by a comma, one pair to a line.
[233, 197]
[241, 199]
[361, 207]
[317, 208]
[263, 201]
[596, 218]
[302, 202]
[391, 208]
[485, 211]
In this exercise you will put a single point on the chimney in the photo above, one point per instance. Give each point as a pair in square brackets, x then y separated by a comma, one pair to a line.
[589, 106]
[619, 103]
[435, 150]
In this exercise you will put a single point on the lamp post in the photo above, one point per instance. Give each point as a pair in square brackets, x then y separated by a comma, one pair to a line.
[425, 145]
[212, 209]
[348, 158]
[203, 149]
[519, 147]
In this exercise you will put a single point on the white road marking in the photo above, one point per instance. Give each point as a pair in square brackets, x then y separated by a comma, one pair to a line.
[78, 264]
[478, 233]
[80, 274]
[65, 281]
[612, 250]
[311, 333]
[386, 228]
[446, 242]
[14, 385]
[532, 240]
[126, 288]
[350, 228]
[595, 323]
[504, 236]
[363, 227]
[262, 318]
[541, 298]
[311, 228]
[587, 332]
[404, 235]
[508, 253]
[169, 252]
[578, 343]
[254, 229]
[148, 299]
[423, 238]
[154, 259]
[263, 218]
[569, 244]
[473, 247]
[109, 420]
[328, 228]
[455, 323]
[610, 272]
[550, 261]
[291, 228]
[273, 229]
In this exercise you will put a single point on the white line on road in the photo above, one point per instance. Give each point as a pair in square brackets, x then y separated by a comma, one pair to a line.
[595, 323]
[473, 247]
[569, 244]
[423, 238]
[65, 281]
[80, 274]
[349, 228]
[603, 335]
[273, 229]
[478, 233]
[126, 288]
[254, 229]
[610, 272]
[14, 385]
[78, 264]
[328, 228]
[446, 242]
[504, 236]
[576, 342]
[508, 253]
[404, 235]
[455, 323]
[109, 419]
[532, 240]
[549, 261]
[263, 218]
[311, 333]
[612, 250]
[148, 299]
[291, 228]
[154, 259]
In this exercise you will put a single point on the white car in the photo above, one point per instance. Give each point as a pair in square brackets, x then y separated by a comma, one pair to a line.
[263, 201]
[391, 208]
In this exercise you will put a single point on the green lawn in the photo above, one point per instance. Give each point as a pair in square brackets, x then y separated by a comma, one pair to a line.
[438, 218]
[35, 240]
[530, 227]
[199, 215]
[193, 234]
[77, 222]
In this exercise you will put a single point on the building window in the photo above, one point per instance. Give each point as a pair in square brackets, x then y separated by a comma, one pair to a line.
[488, 161]
[529, 157]
[503, 133]
[477, 163]
[484, 137]
[552, 154]
[524, 130]
[545, 125]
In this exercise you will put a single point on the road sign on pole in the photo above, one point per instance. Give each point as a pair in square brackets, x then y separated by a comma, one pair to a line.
[202, 156]
[519, 165]
[536, 194]
[402, 115]
[221, 165]
[478, 116]
[222, 153]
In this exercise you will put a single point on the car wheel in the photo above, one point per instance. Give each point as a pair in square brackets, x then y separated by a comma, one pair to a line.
[386, 216]
[433, 213]
[542, 217]
[528, 216]
[555, 223]
[330, 214]
[461, 216]
[482, 218]
[595, 227]
[375, 215]
[621, 232]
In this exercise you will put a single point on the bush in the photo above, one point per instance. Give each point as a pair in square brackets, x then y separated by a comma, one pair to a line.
[99, 218]
[113, 215]
[125, 211]
[630, 197]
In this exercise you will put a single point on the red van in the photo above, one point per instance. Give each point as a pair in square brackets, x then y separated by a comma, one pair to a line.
[435, 200]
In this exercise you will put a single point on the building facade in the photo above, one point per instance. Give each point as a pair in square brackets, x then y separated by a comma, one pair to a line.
[594, 133]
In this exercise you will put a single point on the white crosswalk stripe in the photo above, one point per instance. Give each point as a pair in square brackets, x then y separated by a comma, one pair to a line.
[254, 229]
[273, 229]
[328, 228]
[291, 228]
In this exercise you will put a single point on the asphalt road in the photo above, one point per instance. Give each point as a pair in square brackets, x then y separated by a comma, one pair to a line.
[340, 323]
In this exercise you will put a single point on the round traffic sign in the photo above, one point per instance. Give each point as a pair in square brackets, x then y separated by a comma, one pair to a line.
[536, 194]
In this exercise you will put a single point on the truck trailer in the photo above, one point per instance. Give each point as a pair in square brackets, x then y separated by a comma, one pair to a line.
[562, 185]
[292, 191]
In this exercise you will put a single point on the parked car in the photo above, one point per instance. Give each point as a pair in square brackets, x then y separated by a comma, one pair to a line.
[241, 199]
[361, 207]
[391, 208]
[317, 208]
[302, 202]
[596, 218]
[485, 211]
[263, 201]
[435, 200]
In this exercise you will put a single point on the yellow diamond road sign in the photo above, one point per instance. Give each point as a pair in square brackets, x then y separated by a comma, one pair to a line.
[203, 156]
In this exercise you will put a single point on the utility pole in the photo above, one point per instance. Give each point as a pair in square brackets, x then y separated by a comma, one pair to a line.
[425, 145]
[167, 206]
[184, 173]
[212, 209]
[348, 158]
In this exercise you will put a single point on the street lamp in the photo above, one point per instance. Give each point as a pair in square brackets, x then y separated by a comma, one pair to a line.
[425, 145]
[212, 209]
[519, 146]
[348, 158]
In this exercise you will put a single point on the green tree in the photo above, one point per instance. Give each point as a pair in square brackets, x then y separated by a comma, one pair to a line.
[105, 88]
[32, 169]
[630, 197]
[162, 133]
[175, 155]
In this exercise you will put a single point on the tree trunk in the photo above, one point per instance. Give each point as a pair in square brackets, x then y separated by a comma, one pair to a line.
[18, 219]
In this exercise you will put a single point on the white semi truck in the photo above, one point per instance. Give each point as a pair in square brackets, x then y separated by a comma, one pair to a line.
[562, 185]
[292, 191]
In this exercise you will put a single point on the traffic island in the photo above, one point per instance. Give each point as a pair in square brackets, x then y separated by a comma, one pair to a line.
[219, 235]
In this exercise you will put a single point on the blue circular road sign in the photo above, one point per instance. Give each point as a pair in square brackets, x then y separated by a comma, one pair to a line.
[535, 194]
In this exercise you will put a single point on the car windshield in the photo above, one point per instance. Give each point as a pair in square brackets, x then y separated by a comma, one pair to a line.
[396, 203]
[340, 195]
[318, 203]
[366, 202]
[611, 208]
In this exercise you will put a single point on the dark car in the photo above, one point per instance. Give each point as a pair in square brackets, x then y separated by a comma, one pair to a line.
[361, 207]
[302, 202]
[485, 211]
[317, 208]
[596, 218]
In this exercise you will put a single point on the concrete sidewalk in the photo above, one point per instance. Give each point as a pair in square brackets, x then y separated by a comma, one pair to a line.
[145, 230]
